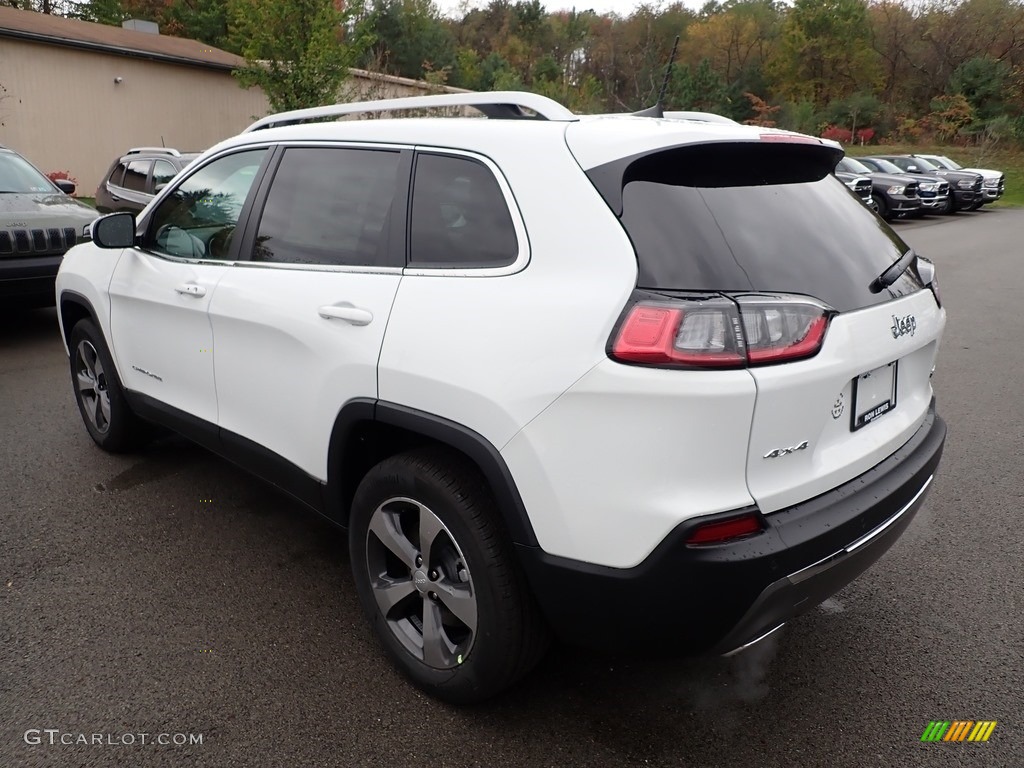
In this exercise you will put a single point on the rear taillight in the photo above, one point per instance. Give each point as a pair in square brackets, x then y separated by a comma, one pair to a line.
[722, 531]
[720, 332]
[926, 271]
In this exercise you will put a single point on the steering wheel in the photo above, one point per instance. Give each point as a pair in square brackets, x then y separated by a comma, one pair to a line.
[220, 244]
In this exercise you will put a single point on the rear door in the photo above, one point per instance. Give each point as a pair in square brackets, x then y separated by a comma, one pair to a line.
[764, 223]
[298, 328]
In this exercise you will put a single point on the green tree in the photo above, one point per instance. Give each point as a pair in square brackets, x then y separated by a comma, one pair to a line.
[982, 81]
[205, 20]
[297, 51]
[825, 53]
[409, 37]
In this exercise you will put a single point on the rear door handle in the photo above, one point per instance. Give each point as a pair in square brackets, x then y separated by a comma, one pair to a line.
[346, 312]
[191, 289]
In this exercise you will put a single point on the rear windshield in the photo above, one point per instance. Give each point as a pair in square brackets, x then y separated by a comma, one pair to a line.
[742, 217]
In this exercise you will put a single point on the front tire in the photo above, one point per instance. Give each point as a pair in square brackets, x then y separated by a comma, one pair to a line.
[882, 207]
[950, 207]
[437, 577]
[110, 421]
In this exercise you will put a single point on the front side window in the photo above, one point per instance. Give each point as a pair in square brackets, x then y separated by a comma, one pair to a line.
[459, 216]
[163, 172]
[198, 219]
[329, 205]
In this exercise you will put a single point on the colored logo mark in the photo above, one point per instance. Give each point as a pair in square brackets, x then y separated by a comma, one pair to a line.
[958, 730]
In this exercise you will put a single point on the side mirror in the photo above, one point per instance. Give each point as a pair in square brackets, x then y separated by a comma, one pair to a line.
[159, 188]
[66, 186]
[912, 169]
[115, 230]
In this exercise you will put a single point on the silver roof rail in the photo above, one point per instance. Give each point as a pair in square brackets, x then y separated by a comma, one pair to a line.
[158, 150]
[507, 105]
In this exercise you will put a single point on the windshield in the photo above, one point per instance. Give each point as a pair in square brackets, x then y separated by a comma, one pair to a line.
[850, 165]
[885, 166]
[17, 176]
[951, 164]
[924, 165]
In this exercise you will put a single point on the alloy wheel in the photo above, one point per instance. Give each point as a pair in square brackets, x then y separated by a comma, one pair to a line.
[91, 381]
[421, 583]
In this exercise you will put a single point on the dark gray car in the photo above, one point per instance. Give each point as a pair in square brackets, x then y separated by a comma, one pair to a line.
[137, 176]
[39, 222]
[964, 186]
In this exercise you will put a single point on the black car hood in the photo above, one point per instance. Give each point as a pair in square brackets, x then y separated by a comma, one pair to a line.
[892, 178]
[25, 209]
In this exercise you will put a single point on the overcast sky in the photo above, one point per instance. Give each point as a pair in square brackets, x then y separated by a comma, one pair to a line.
[623, 7]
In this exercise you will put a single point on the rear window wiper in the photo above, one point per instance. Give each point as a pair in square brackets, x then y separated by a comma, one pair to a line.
[892, 273]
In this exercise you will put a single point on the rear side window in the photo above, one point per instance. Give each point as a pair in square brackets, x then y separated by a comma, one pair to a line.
[329, 206]
[741, 217]
[136, 174]
[117, 175]
[459, 216]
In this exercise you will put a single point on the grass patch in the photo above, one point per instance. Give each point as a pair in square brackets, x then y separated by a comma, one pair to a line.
[1009, 160]
[90, 201]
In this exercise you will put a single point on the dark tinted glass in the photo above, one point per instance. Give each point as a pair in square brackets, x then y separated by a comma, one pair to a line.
[459, 216]
[135, 176]
[197, 220]
[329, 206]
[809, 238]
[117, 175]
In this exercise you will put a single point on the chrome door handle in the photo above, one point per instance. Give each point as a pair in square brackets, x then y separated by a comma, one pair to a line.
[346, 312]
[191, 289]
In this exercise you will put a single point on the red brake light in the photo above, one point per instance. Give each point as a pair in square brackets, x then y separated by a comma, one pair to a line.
[685, 335]
[720, 332]
[721, 531]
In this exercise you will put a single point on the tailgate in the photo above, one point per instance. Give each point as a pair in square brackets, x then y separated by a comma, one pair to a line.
[821, 422]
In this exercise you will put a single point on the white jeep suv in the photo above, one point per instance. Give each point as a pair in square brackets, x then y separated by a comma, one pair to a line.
[631, 382]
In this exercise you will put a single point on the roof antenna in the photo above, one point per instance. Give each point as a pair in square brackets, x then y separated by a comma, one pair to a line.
[658, 110]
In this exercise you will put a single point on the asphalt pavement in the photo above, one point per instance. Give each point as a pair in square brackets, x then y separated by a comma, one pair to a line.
[169, 594]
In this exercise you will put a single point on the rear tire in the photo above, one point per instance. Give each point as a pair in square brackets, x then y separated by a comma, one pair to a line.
[437, 577]
[110, 421]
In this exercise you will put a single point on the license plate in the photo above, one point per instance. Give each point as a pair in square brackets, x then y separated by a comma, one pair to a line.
[874, 395]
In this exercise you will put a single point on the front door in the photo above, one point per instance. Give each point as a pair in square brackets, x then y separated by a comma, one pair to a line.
[161, 289]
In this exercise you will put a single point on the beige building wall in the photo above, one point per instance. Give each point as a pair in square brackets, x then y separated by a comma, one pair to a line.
[64, 111]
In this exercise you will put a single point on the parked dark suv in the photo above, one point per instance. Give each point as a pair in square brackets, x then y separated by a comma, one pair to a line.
[137, 176]
[933, 191]
[964, 185]
[39, 222]
[893, 195]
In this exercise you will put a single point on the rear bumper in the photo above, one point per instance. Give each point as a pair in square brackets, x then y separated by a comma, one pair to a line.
[719, 598]
[30, 279]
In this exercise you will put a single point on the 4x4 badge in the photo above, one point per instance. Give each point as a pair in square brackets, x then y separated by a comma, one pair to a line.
[785, 451]
[903, 326]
